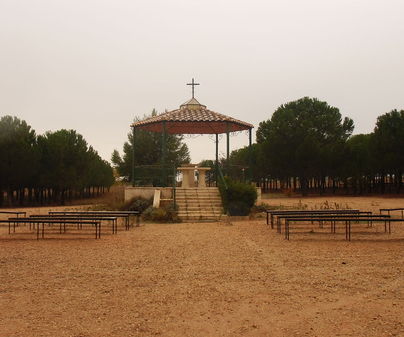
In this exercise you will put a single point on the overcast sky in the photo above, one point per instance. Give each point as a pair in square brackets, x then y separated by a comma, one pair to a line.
[93, 65]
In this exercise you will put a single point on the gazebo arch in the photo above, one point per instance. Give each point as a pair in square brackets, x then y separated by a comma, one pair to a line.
[191, 118]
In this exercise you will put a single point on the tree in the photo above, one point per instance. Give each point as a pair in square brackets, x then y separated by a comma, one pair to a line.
[148, 147]
[63, 160]
[116, 159]
[210, 174]
[303, 139]
[51, 166]
[99, 172]
[358, 164]
[68, 164]
[247, 163]
[19, 157]
[389, 146]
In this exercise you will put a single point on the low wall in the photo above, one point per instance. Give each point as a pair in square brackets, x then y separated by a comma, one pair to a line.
[166, 192]
[147, 192]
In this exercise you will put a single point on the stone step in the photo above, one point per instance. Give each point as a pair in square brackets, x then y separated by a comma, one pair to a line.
[187, 193]
[196, 208]
[201, 200]
[197, 202]
[209, 200]
[186, 214]
[203, 219]
[186, 199]
[200, 193]
[197, 190]
[206, 197]
[200, 217]
[201, 208]
[198, 214]
[204, 211]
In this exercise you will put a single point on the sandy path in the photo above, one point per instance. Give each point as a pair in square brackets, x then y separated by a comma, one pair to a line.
[202, 280]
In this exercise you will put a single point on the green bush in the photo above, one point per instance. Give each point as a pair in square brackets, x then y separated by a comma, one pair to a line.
[137, 204]
[166, 213]
[238, 198]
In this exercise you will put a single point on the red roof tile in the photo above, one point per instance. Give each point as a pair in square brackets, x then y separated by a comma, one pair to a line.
[192, 118]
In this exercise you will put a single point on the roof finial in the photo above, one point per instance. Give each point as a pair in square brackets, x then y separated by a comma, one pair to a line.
[193, 87]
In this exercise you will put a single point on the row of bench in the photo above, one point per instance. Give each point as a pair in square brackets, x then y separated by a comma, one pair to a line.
[390, 210]
[76, 219]
[346, 217]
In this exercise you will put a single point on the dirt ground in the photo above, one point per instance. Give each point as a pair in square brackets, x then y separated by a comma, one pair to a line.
[206, 279]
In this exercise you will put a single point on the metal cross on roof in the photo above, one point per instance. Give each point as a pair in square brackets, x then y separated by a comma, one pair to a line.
[193, 87]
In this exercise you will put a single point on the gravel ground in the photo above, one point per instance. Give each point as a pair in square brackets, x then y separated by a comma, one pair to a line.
[205, 279]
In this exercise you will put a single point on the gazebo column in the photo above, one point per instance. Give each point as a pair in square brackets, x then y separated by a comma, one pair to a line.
[163, 153]
[228, 148]
[250, 157]
[217, 159]
[133, 154]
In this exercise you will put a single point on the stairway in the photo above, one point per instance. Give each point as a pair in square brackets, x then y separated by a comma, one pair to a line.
[199, 204]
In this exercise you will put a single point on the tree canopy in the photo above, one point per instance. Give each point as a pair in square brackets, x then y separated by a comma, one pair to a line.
[302, 139]
[388, 142]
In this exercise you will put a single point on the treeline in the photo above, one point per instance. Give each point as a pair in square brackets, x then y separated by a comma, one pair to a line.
[49, 168]
[307, 147]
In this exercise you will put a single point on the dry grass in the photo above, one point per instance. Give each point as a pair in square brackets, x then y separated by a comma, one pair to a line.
[113, 199]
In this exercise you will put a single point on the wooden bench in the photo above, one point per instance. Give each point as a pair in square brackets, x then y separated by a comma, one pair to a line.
[120, 214]
[389, 210]
[24, 214]
[357, 215]
[273, 213]
[346, 220]
[80, 218]
[62, 224]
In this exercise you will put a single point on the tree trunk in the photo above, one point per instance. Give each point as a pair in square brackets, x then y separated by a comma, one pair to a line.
[382, 183]
[399, 181]
[304, 185]
[21, 193]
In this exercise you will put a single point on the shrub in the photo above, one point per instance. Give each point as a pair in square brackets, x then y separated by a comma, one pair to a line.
[166, 213]
[238, 198]
[137, 204]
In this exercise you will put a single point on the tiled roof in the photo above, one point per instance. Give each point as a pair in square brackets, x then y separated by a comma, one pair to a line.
[192, 118]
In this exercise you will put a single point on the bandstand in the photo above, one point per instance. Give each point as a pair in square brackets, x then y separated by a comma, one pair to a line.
[192, 117]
